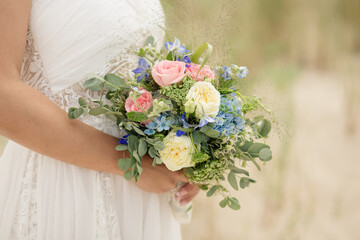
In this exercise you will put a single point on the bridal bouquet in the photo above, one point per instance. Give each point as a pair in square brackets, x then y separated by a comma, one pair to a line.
[186, 115]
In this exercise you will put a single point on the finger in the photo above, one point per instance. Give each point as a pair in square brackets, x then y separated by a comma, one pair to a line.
[187, 190]
[187, 200]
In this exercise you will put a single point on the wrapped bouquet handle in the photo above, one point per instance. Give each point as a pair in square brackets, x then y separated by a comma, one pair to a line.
[181, 213]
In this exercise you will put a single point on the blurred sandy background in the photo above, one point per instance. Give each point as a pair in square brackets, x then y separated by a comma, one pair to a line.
[304, 59]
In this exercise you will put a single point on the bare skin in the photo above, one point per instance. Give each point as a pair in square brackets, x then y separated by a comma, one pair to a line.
[32, 120]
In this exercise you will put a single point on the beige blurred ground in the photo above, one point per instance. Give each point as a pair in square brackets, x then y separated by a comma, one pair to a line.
[304, 59]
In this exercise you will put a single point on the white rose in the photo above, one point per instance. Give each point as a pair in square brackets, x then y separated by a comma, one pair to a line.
[206, 98]
[178, 152]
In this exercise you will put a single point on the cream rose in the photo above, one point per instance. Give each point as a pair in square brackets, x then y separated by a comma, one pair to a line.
[206, 98]
[178, 152]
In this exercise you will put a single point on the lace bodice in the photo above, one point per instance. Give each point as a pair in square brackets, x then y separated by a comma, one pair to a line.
[65, 95]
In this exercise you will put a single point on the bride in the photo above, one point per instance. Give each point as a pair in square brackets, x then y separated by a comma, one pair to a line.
[59, 177]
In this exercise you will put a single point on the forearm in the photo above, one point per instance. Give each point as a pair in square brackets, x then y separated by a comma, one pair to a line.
[32, 120]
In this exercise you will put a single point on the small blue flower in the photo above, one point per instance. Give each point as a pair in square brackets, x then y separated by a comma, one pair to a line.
[163, 124]
[227, 74]
[149, 131]
[176, 47]
[152, 125]
[124, 139]
[243, 72]
[142, 70]
[186, 60]
[185, 124]
[179, 133]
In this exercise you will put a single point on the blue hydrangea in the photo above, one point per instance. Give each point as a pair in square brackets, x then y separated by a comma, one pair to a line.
[229, 120]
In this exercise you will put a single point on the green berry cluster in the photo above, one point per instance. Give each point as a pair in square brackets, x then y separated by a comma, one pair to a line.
[208, 171]
[200, 157]
[178, 92]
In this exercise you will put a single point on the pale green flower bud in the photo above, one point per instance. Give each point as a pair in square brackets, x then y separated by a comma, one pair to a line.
[190, 106]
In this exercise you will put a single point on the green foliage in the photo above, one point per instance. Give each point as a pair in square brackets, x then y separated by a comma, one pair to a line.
[200, 157]
[177, 92]
[94, 84]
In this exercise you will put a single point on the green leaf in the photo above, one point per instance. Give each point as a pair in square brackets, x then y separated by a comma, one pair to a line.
[158, 160]
[245, 146]
[82, 102]
[255, 148]
[113, 82]
[199, 137]
[152, 152]
[138, 130]
[212, 190]
[121, 147]
[124, 163]
[204, 187]
[111, 116]
[159, 145]
[243, 183]
[233, 203]
[142, 147]
[149, 41]
[128, 175]
[232, 180]
[94, 84]
[210, 132]
[136, 156]
[137, 116]
[132, 143]
[197, 54]
[223, 203]
[98, 111]
[264, 128]
[265, 154]
[182, 129]
[255, 163]
[75, 112]
[239, 170]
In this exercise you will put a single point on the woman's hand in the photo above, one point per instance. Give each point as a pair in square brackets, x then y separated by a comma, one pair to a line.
[158, 179]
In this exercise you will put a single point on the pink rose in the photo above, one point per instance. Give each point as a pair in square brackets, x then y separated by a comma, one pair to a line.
[144, 101]
[167, 72]
[205, 72]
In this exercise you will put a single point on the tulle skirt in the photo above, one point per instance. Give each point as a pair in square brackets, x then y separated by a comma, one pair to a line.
[43, 198]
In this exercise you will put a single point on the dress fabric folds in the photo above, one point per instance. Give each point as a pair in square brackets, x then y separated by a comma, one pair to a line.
[43, 198]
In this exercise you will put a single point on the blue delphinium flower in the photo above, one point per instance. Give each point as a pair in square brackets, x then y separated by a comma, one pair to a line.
[176, 47]
[186, 60]
[142, 70]
[179, 133]
[229, 120]
[227, 74]
[243, 72]
[124, 139]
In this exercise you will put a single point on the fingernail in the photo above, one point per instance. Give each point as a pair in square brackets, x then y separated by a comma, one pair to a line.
[181, 192]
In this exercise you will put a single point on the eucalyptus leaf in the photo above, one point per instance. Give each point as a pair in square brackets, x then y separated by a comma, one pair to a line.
[158, 160]
[264, 128]
[199, 137]
[136, 156]
[142, 147]
[223, 203]
[232, 180]
[210, 132]
[128, 175]
[265, 154]
[159, 145]
[132, 143]
[111, 116]
[121, 147]
[152, 152]
[113, 82]
[94, 84]
[138, 130]
[124, 163]
[233, 203]
[212, 190]
[75, 112]
[255, 148]
[97, 111]
[239, 170]
[82, 102]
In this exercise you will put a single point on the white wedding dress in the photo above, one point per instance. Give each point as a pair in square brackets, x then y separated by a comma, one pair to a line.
[43, 198]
